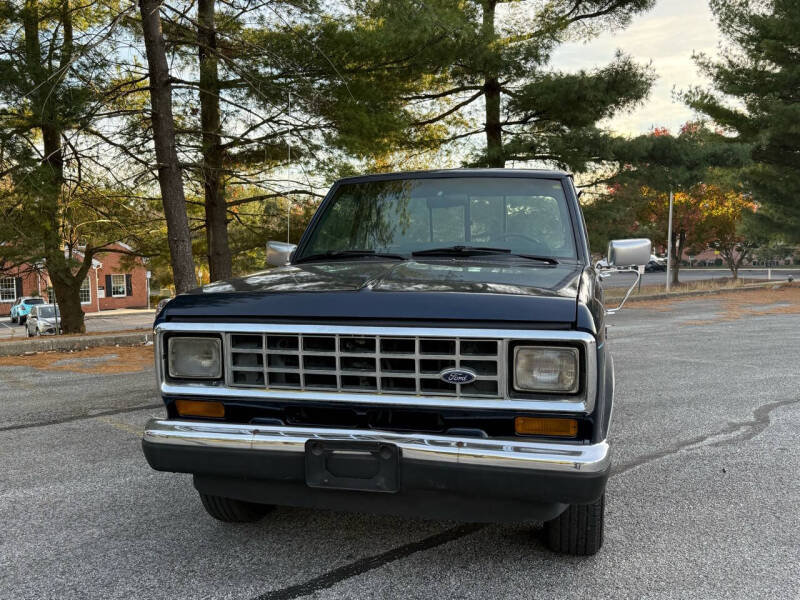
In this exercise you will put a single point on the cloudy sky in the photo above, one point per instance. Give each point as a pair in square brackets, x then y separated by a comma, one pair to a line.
[667, 36]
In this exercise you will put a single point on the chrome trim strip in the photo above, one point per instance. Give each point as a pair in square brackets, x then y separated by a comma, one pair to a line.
[581, 404]
[188, 389]
[544, 456]
[517, 334]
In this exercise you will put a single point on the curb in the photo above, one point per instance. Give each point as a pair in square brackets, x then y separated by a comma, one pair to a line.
[745, 288]
[63, 344]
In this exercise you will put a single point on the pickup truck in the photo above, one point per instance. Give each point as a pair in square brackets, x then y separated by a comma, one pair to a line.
[434, 346]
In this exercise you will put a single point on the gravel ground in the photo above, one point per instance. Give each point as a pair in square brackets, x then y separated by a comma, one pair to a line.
[702, 502]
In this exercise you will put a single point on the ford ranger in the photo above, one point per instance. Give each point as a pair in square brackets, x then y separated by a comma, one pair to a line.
[434, 346]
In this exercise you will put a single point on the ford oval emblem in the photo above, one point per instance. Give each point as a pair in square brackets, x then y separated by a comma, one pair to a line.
[454, 376]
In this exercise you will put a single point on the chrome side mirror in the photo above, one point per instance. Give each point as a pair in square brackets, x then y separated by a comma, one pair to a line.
[626, 256]
[629, 253]
[279, 253]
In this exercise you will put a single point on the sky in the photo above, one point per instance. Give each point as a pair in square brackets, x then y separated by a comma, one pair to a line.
[667, 36]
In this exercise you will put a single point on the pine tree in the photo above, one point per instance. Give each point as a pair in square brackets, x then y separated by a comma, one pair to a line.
[487, 82]
[754, 96]
[59, 89]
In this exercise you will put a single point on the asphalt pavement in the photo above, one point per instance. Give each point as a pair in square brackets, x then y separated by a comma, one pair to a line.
[702, 502]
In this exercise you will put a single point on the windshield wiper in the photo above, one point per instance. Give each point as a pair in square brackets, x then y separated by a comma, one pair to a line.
[346, 254]
[480, 251]
[545, 259]
[461, 251]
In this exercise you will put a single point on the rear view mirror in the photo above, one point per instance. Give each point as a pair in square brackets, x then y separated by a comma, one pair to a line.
[629, 253]
[279, 253]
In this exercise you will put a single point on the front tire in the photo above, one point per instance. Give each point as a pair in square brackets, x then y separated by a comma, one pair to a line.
[231, 510]
[578, 530]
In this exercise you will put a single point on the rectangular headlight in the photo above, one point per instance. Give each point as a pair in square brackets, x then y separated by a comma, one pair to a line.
[546, 369]
[194, 357]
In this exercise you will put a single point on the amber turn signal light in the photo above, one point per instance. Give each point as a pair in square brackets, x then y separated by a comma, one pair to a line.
[199, 408]
[552, 427]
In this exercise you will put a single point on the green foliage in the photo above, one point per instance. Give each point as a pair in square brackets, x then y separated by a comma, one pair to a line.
[485, 71]
[753, 96]
[58, 188]
[652, 165]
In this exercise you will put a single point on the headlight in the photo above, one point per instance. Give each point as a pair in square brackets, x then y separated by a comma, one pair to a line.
[194, 358]
[546, 369]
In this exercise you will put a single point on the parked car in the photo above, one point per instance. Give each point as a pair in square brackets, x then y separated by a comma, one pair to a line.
[434, 346]
[22, 308]
[654, 266]
[44, 319]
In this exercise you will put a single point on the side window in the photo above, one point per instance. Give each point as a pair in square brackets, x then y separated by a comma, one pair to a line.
[447, 222]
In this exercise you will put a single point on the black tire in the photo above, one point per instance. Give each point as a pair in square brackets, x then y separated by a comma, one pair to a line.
[13, 319]
[230, 510]
[578, 530]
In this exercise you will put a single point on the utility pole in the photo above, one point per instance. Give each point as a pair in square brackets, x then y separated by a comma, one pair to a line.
[669, 242]
[288, 184]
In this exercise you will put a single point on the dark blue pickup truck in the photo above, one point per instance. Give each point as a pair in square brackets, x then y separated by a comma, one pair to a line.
[434, 346]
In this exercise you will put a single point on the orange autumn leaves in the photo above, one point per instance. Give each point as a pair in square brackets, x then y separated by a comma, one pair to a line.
[709, 215]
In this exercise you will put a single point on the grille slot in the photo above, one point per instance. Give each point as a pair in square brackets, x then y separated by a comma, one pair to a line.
[408, 365]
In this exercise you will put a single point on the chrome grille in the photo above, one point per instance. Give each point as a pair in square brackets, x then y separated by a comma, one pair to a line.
[363, 363]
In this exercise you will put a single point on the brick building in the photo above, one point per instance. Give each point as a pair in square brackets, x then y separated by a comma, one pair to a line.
[108, 284]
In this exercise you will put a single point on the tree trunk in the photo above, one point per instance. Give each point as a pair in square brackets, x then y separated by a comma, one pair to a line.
[52, 174]
[170, 178]
[733, 263]
[491, 93]
[68, 297]
[219, 255]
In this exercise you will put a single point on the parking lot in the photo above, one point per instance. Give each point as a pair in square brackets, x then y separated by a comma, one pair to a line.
[702, 502]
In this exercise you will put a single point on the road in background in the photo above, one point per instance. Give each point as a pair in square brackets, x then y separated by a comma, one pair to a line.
[687, 275]
[99, 322]
[702, 502]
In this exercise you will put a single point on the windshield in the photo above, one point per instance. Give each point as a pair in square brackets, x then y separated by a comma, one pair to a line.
[525, 216]
[31, 301]
[47, 312]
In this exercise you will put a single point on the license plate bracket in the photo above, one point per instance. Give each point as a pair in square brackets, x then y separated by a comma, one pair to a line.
[348, 465]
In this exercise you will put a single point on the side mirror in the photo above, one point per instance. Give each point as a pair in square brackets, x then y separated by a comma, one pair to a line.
[629, 253]
[279, 253]
[627, 256]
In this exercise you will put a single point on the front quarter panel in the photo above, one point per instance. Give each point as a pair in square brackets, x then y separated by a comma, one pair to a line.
[591, 318]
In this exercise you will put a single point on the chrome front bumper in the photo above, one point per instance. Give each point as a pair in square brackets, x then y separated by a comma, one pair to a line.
[439, 449]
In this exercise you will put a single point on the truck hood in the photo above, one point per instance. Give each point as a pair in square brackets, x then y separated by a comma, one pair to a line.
[441, 290]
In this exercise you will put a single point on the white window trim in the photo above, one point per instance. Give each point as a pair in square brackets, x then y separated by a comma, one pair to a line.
[13, 289]
[89, 301]
[124, 283]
